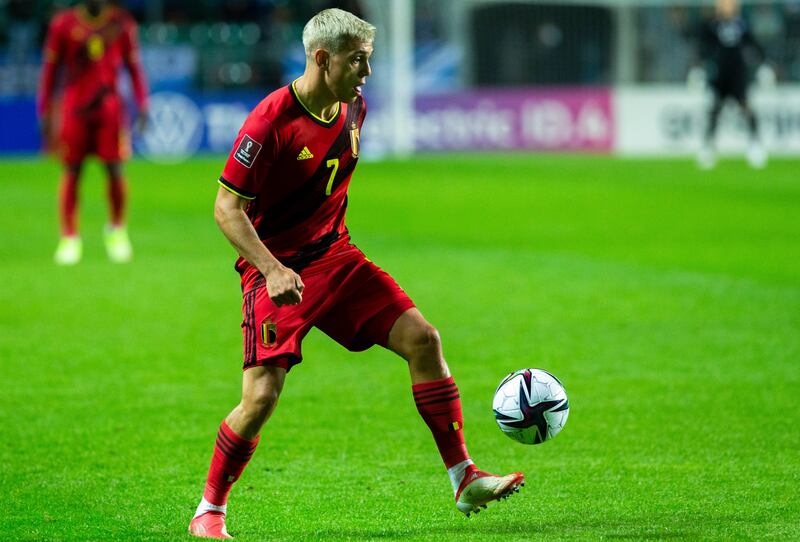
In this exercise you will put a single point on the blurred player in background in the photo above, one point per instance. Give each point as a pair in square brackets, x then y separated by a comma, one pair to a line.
[281, 203]
[723, 43]
[89, 43]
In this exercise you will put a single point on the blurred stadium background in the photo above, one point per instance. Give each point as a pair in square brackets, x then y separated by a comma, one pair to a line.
[590, 75]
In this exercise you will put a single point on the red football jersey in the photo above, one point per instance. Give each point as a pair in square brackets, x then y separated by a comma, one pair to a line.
[295, 168]
[91, 50]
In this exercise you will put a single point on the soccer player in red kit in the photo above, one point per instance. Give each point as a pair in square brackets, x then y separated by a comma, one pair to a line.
[91, 42]
[282, 203]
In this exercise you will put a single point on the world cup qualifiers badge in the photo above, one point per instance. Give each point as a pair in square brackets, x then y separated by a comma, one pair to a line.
[247, 151]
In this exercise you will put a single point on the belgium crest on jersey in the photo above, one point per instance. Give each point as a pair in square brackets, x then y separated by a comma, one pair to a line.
[95, 47]
[355, 139]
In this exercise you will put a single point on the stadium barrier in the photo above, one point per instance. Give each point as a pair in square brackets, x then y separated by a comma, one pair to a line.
[669, 120]
[629, 121]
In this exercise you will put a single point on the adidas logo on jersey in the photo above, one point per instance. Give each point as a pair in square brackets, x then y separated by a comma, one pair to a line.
[305, 154]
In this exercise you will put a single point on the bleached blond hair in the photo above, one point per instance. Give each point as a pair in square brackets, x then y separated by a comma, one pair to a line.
[333, 30]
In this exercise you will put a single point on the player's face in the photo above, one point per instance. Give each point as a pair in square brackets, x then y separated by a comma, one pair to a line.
[349, 70]
[727, 9]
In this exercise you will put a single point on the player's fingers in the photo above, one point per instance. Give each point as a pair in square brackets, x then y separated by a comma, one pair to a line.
[281, 298]
[288, 297]
[297, 296]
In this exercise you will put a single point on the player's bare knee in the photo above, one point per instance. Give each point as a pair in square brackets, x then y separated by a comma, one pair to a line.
[426, 342]
[260, 403]
[114, 170]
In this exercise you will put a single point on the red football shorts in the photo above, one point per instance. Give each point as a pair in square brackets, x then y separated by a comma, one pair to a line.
[346, 296]
[103, 133]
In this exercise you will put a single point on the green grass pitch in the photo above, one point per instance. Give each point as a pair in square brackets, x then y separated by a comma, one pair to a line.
[667, 300]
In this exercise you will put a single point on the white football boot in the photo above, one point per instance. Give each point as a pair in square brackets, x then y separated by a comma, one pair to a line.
[118, 246]
[209, 525]
[69, 250]
[756, 155]
[706, 157]
[478, 488]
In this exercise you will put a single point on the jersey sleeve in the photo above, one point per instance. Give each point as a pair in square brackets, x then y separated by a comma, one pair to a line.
[251, 158]
[750, 40]
[51, 56]
[132, 60]
[704, 41]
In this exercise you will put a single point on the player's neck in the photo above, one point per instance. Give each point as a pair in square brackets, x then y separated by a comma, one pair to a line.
[316, 97]
[91, 13]
[93, 10]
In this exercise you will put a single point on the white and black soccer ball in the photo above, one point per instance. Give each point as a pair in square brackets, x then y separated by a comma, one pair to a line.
[530, 406]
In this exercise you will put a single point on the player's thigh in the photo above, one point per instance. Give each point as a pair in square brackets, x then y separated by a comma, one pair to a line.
[273, 335]
[365, 305]
[717, 101]
[111, 138]
[114, 170]
[740, 97]
[74, 138]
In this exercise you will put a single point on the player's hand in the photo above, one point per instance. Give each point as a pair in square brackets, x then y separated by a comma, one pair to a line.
[44, 125]
[140, 124]
[696, 79]
[765, 76]
[46, 131]
[284, 286]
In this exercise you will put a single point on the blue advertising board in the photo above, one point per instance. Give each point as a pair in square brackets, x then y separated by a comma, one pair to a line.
[181, 124]
[19, 130]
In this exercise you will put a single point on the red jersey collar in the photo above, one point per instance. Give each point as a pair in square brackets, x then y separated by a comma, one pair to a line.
[319, 120]
[86, 18]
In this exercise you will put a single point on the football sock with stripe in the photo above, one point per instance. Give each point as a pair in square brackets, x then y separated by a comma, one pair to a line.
[117, 194]
[231, 455]
[68, 204]
[439, 404]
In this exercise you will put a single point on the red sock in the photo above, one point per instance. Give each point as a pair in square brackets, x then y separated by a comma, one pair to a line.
[439, 405]
[231, 454]
[117, 192]
[68, 204]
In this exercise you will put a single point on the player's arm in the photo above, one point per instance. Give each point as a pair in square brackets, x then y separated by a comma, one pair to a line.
[52, 55]
[765, 74]
[284, 286]
[133, 63]
[749, 39]
[697, 77]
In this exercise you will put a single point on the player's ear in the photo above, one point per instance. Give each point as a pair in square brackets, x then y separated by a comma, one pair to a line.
[322, 58]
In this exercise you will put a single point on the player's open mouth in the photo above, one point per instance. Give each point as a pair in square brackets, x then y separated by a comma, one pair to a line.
[357, 89]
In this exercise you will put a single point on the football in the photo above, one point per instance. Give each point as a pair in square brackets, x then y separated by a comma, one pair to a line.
[531, 406]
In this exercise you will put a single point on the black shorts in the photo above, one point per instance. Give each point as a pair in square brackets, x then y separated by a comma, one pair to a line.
[730, 87]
